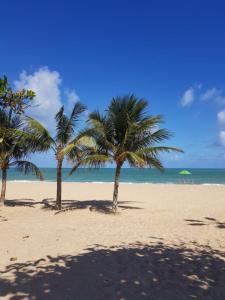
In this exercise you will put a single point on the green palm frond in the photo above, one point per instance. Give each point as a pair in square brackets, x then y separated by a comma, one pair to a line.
[159, 149]
[4, 121]
[160, 135]
[78, 142]
[65, 125]
[127, 132]
[59, 115]
[141, 130]
[155, 162]
[95, 160]
[128, 106]
[61, 126]
[27, 167]
[136, 158]
[78, 109]
[62, 134]
[101, 130]
[98, 122]
[38, 136]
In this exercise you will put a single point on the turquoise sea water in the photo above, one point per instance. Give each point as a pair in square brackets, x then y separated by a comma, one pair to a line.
[198, 176]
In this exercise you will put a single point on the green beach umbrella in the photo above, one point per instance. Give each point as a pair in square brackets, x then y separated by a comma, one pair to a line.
[185, 172]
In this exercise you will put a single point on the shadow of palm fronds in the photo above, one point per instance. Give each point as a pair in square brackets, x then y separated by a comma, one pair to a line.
[131, 271]
[207, 221]
[3, 219]
[100, 206]
[21, 202]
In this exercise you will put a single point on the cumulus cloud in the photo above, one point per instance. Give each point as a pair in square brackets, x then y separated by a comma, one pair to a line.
[72, 98]
[46, 85]
[187, 98]
[222, 137]
[221, 116]
[213, 94]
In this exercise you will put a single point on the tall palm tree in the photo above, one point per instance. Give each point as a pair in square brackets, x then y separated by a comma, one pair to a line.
[15, 145]
[126, 133]
[65, 137]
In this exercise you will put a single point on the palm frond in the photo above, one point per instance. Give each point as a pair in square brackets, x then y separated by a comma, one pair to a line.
[4, 121]
[79, 141]
[95, 160]
[127, 132]
[154, 162]
[61, 125]
[159, 149]
[160, 135]
[38, 136]
[27, 167]
[65, 125]
[136, 158]
[102, 131]
[78, 109]
[59, 114]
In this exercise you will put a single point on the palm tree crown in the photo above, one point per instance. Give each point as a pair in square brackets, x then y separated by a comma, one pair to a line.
[15, 145]
[127, 133]
[64, 138]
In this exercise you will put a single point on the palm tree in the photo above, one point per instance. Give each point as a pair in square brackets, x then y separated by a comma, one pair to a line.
[126, 133]
[62, 142]
[15, 145]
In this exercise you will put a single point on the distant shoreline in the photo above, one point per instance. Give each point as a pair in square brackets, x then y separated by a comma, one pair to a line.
[122, 183]
[128, 176]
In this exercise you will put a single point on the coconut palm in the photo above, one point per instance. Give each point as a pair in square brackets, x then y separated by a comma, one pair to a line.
[15, 145]
[126, 133]
[65, 137]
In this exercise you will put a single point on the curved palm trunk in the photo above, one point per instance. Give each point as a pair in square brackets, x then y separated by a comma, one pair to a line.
[3, 190]
[116, 187]
[59, 185]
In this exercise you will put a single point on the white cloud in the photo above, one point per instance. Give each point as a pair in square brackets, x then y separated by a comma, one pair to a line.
[213, 94]
[187, 98]
[221, 116]
[46, 85]
[72, 98]
[210, 94]
[222, 137]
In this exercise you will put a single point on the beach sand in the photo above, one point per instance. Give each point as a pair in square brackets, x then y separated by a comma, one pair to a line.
[166, 242]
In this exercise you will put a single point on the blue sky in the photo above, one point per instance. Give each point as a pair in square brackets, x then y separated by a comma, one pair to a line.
[169, 52]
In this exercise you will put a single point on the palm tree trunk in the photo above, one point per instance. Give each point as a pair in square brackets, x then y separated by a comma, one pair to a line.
[3, 190]
[59, 185]
[116, 187]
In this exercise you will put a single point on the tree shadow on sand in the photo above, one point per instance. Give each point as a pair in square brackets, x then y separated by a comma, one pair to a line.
[100, 206]
[131, 272]
[206, 221]
[21, 202]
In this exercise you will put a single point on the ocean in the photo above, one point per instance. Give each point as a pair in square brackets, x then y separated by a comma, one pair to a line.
[129, 175]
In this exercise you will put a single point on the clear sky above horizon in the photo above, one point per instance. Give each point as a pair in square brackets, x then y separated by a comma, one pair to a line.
[169, 52]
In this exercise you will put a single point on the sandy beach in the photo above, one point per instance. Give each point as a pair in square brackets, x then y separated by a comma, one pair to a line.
[166, 242]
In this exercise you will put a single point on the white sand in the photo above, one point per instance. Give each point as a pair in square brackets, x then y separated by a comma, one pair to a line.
[166, 242]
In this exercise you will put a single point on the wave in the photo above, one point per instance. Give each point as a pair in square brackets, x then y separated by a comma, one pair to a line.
[121, 183]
